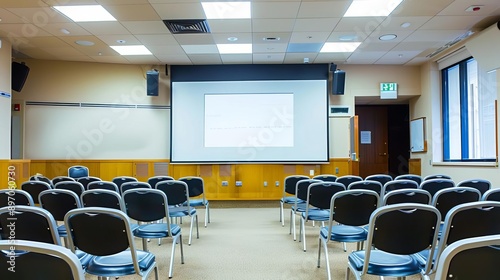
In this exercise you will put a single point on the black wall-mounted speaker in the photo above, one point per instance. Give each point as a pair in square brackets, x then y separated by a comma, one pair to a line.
[152, 79]
[338, 84]
[19, 75]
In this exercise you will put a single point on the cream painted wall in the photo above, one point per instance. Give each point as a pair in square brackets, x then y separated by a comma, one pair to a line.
[5, 99]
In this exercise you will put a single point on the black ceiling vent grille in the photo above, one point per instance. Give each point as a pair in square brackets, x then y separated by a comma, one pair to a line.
[187, 26]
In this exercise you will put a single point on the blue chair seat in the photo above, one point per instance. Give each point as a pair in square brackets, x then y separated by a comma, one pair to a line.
[62, 231]
[317, 215]
[291, 200]
[84, 258]
[343, 233]
[156, 230]
[182, 211]
[386, 264]
[119, 264]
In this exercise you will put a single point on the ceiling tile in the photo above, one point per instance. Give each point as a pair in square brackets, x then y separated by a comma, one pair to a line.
[414, 8]
[104, 28]
[146, 27]
[161, 39]
[274, 10]
[205, 58]
[194, 39]
[175, 59]
[73, 29]
[323, 9]
[39, 16]
[272, 58]
[144, 12]
[450, 23]
[269, 48]
[242, 38]
[230, 25]
[311, 24]
[200, 49]
[8, 17]
[273, 25]
[309, 37]
[180, 11]
[112, 40]
[236, 58]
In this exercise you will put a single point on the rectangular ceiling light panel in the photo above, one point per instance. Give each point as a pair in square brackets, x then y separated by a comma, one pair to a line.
[227, 10]
[371, 8]
[85, 13]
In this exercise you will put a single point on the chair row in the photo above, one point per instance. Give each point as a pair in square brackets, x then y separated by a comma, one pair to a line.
[409, 237]
[312, 200]
[121, 184]
[99, 252]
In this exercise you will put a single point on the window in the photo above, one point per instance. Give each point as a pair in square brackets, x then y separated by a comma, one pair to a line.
[469, 96]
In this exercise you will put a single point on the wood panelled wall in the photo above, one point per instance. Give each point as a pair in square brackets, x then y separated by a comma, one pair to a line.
[258, 181]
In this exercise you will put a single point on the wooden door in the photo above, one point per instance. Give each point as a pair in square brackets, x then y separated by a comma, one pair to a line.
[373, 139]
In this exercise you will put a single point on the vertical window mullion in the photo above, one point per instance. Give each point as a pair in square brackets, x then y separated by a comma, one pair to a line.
[464, 110]
[445, 120]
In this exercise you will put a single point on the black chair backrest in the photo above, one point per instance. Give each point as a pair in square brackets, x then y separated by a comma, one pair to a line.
[482, 185]
[15, 197]
[320, 194]
[382, 178]
[437, 176]
[39, 261]
[302, 187]
[134, 185]
[405, 228]
[407, 196]
[41, 178]
[155, 179]
[348, 179]
[290, 183]
[366, 185]
[354, 207]
[102, 198]
[326, 177]
[105, 185]
[73, 186]
[471, 219]
[492, 195]
[59, 202]
[470, 258]
[123, 179]
[195, 185]
[58, 179]
[434, 185]
[145, 205]
[99, 231]
[34, 188]
[444, 200]
[176, 191]
[86, 180]
[31, 223]
[413, 177]
[398, 185]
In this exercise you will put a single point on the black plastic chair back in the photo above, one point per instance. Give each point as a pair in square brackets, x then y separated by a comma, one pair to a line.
[134, 185]
[123, 179]
[481, 185]
[18, 197]
[382, 178]
[153, 180]
[348, 179]
[73, 186]
[58, 179]
[104, 185]
[413, 177]
[302, 187]
[34, 188]
[366, 185]
[407, 196]
[291, 183]
[42, 179]
[86, 180]
[177, 192]
[435, 185]
[354, 207]
[144, 205]
[31, 223]
[59, 202]
[102, 198]
[398, 185]
[445, 200]
[195, 185]
[326, 177]
[320, 194]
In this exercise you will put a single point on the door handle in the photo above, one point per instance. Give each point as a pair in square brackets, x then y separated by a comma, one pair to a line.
[382, 154]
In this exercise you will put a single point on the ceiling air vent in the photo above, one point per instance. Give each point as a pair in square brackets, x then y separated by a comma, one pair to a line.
[187, 26]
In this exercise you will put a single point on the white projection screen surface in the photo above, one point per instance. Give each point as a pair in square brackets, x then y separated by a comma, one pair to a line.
[249, 121]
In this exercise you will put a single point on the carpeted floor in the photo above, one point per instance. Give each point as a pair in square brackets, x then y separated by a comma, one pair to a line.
[247, 243]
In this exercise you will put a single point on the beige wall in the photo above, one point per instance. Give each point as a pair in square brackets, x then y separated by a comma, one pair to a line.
[5, 101]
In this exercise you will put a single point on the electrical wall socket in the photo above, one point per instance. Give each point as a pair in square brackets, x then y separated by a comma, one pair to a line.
[265, 183]
[277, 183]
[336, 170]
[224, 183]
[239, 183]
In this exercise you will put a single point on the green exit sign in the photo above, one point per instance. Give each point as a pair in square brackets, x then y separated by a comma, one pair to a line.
[388, 90]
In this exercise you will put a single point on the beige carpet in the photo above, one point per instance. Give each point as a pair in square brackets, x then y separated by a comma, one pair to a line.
[247, 244]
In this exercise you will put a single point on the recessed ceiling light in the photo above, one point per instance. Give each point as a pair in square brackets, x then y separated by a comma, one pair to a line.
[64, 31]
[405, 24]
[271, 38]
[340, 47]
[234, 48]
[350, 37]
[227, 10]
[83, 13]
[131, 50]
[121, 41]
[232, 39]
[84, 43]
[371, 8]
[387, 37]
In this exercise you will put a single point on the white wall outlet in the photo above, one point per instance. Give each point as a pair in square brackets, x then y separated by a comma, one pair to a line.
[277, 183]
[265, 183]
[311, 172]
[239, 183]
[224, 183]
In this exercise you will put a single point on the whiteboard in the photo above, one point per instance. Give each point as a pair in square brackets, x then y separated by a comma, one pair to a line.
[65, 132]
[417, 135]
